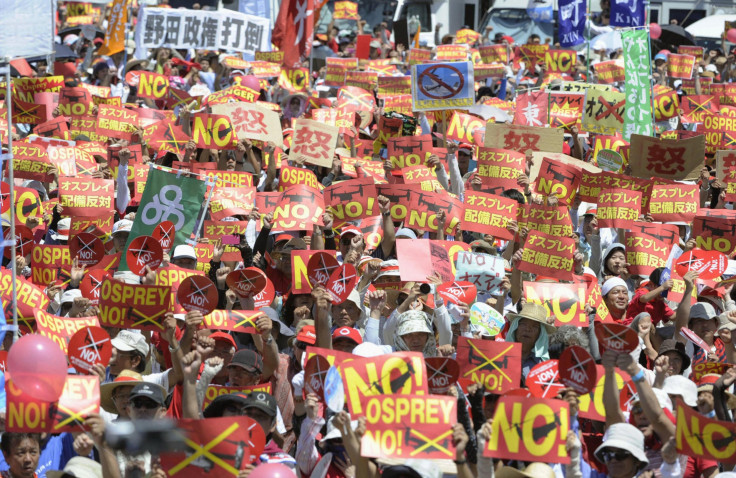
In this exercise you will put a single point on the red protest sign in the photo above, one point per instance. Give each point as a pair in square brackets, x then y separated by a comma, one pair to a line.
[423, 208]
[152, 85]
[560, 61]
[23, 241]
[198, 293]
[548, 255]
[442, 373]
[315, 371]
[116, 122]
[495, 365]
[60, 329]
[458, 291]
[616, 337]
[543, 380]
[715, 229]
[553, 220]
[144, 251]
[704, 437]
[499, 168]
[674, 202]
[645, 253]
[214, 391]
[223, 442]
[86, 248]
[172, 276]
[393, 86]
[564, 302]
[313, 142]
[87, 347]
[165, 136]
[30, 297]
[50, 263]
[165, 233]
[488, 214]
[31, 162]
[664, 232]
[407, 151]
[133, 306]
[299, 208]
[300, 270]
[566, 110]
[618, 208]
[85, 196]
[708, 264]
[577, 369]
[531, 109]
[342, 282]
[351, 200]
[28, 113]
[609, 72]
[320, 268]
[558, 179]
[696, 107]
[666, 105]
[247, 282]
[236, 320]
[231, 201]
[462, 127]
[680, 66]
[213, 132]
[394, 430]
[494, 53]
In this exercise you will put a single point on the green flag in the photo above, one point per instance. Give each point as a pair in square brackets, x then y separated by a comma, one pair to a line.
[167, 198]
[638, 116]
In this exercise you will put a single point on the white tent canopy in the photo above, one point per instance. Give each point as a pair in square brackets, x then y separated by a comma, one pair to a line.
[710, 27]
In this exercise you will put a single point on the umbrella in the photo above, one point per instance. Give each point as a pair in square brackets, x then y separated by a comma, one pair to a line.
[607, 41]
[676, 35]
[711, 26]
[60, 51]
[76, 31]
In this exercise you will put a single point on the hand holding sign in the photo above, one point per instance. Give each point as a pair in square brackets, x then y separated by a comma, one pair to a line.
[144, 251]
[197, 293]
[88, 347]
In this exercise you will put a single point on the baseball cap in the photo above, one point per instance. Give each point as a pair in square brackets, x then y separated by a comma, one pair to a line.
[184, 251]
[591, 210]
[62, 229]
[248, 360]
[128, 341]
[262, 401]
[215, 408]
[465, 147]
[148, 390]
[223, 337]
[702, 310]
[123, 225]
[350, 229]
[69, 295]
[274, 316]
[660, 56]
[405, 232]
[347, 333]
[307, 335]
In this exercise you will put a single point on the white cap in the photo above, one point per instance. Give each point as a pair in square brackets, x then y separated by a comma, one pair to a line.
[69, 295]
[129, 340]
[183, 251]
[62, 229]
[123, 225]
[682, 386]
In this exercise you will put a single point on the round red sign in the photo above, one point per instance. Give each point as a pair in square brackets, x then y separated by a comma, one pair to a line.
[165, 233]
[23, 240]
[458, 291]
[198, 293]
[616, 337]
[89, 346]
[543, 380]
[708, 264]
[247, 282]
[320, 267]
[442, 373]
[342, 282]
[315, 371]
[87, 248]
[266, 296]
[91, 285]
[577, 369]
[144, 251]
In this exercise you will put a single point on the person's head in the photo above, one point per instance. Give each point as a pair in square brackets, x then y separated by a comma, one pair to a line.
[120, 233]
[305, 336]
[483, 247]
[346, 238]
[282, 256]
[100, 70]
[115, 395]
[622, 451]
[680, 387]
[725, 328]
[706, 400]
[678, 361]
[534, 39]
[67, 300]
[703, 321]
[262, 407]
[590, 222]
[184, 256]
[616, 295]
[347, 313]
[62, 231]
[345, 339]
[413, 332]
[147, 402]
[225, 349]
[654, 279]
[527, 326]
[464, 155]
[121, 398]
[389, 272]
[245, 369]
[22, 452]
[129, 351]
[614, 262]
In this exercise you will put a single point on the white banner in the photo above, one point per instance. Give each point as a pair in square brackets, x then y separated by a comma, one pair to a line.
[26, 28]
[181, 29]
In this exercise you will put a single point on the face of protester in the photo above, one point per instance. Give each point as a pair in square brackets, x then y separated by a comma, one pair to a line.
[463, 161]
[120, 361]
[345, 241]
[527, 333]
[416, 341]
[266, 421]
[705, 402]
[225, 351]
[621, 463]
[240, 377]
[119, 240]
[185, 263]
[616, 262]
[675, 363]
[637, 413]
[704, 328]
[345, 314]
[23, 458]
[121, 399]
[344, 345]
[617, 299]
[295, 106]
[590, 225]
[142, 408]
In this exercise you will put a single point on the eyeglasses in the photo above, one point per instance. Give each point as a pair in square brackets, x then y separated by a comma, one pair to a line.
[620, 455]
[144, 403]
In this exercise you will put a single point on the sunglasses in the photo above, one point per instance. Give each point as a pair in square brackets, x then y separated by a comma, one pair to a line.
[144, 403]
[617, 455]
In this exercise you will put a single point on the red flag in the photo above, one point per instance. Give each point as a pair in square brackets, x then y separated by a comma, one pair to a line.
[294, 30]
[531, 109]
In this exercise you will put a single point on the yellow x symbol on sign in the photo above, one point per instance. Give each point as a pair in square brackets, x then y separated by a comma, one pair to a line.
[74, 417]
[433, 443]
[205, 450]
[729, 140]
[147, 318]
[21, 111]
[488, 361]
[248, 319]
[558, 123]
[697, 106]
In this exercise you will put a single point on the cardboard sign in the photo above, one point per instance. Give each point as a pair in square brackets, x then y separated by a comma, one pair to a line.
[133, 306]
[198, 293]
[669, 159]
[243, 321]
[299, 208]
[698, 435]
[645, 253]
[604, 111]
[680, 66]
[395, 430]
[80, 397]
[252, 121]
[214, 391]
[577, 369]
[616, 337]
[226, 444]
[523, 138]
[442, 373]
[494, 365]
[247, 282]
[565, 302]
[351, 200]
[313, 142]
[86, 248]
[442, 86]
[559, 179]
[618, 208]
[400, 373]
[708, 264]
[61, 329]
[484, 271]
[88, 347]
[499, 169]
[85, 196]
[213, 132]
[609, 72]
[116, 122]
[529, 429]
[548, 255]
[488, 214]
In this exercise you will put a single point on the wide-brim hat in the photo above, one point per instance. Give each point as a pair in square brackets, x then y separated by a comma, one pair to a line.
[127, 378]
[535, 312]
[624, 437]
[671, 345]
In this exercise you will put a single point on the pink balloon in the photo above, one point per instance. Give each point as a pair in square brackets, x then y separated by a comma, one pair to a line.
[655, 31]
[731, 35]
[272, 470]
[251, 82]
[37, 366]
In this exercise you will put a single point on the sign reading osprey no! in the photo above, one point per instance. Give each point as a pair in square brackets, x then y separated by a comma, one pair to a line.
[442, 86]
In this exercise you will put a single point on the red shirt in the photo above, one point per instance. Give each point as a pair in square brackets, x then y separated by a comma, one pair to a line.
[657, 308]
